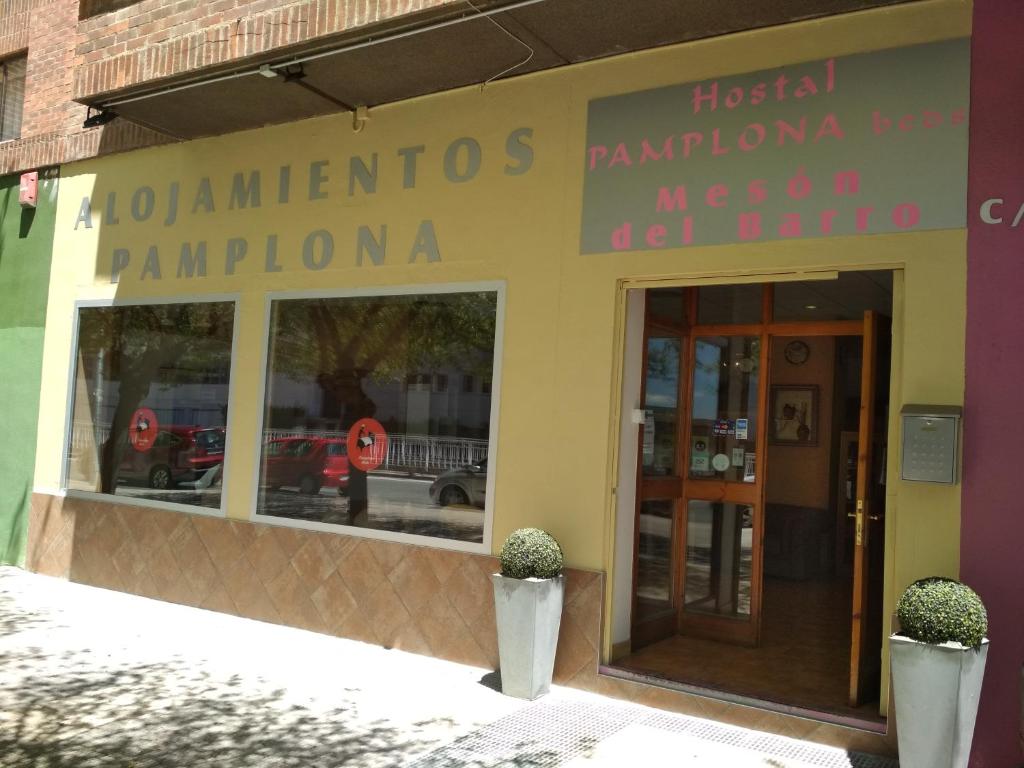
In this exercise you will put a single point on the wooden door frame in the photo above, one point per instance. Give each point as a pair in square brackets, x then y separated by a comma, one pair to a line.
[680, 489]
[863, 514]
[729, 629]
[725, 628]
[658, 488]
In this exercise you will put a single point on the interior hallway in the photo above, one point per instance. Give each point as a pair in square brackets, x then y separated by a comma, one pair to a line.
[803, 659]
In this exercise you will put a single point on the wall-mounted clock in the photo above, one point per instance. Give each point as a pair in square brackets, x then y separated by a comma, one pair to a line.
[797, 352]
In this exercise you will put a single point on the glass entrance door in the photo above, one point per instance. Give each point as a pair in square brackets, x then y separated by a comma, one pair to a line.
[699, 508]
[722, 489]
[759, 400]
[659, 482]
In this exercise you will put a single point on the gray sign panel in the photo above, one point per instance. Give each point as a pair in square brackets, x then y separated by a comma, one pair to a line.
[863, 144]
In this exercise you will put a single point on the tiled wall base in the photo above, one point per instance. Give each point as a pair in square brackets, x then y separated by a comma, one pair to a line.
[419, 599]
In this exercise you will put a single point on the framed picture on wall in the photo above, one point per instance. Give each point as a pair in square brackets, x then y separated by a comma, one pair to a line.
[794, 414]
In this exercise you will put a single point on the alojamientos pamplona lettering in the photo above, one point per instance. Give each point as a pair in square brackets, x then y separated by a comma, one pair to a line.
[460, 163]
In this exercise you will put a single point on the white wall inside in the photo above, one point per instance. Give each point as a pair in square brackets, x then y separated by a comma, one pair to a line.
[625, 512]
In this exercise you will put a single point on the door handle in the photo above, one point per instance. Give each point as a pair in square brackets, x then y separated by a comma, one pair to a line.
[859, 525]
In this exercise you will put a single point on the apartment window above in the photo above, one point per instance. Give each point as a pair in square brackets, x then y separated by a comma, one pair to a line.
[89, 8]
[12, 97]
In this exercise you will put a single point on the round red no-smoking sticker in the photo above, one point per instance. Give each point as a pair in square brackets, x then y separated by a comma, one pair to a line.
[142, 430]
[367, 444]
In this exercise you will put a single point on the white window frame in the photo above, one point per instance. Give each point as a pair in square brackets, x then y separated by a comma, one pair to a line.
[133, 501]
[4, 91]
[484, 546]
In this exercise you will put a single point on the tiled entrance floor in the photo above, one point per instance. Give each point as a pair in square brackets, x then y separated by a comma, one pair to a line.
[803, 659]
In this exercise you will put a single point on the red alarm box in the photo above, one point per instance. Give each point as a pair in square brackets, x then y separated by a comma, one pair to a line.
[28, 189]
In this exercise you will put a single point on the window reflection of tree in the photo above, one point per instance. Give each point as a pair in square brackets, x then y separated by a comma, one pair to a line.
[342, 343]
[167, 344]
[663, 359]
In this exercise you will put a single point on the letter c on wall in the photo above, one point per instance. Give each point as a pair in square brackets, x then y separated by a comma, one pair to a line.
[986, 210]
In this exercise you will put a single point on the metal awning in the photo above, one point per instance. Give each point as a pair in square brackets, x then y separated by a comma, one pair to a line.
[438, 52]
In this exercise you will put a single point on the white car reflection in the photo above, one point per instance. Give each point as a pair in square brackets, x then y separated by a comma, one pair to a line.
[465, 486]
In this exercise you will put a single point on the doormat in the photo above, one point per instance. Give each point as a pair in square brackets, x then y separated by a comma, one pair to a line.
[577, 733]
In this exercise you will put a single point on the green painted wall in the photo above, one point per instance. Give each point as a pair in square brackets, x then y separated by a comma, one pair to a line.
[26, 241]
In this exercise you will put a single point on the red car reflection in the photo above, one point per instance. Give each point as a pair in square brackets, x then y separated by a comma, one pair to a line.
[306, 463]
[178, 454]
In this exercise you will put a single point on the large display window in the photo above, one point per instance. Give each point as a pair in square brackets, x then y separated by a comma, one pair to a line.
[149, 402]
[379, 412]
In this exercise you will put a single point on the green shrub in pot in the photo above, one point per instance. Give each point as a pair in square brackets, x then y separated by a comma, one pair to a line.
[938, 610]
[528, 596]
[938, 664]
[531, 553]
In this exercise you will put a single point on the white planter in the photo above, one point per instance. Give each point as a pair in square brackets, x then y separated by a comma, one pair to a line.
[528, 613]
[936, 688]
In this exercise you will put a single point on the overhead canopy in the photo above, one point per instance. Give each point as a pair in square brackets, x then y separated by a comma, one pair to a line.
[437, 52]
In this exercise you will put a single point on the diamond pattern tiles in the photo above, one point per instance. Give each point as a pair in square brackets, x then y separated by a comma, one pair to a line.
[50, 532]
[418, 599]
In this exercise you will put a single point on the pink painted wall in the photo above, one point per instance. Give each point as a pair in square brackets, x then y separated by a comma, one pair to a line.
[992, 544]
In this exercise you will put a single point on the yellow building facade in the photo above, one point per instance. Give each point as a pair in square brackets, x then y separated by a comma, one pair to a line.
[476, 189]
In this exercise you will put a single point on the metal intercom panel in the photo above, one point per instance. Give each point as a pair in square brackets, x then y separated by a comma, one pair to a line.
[931, 437]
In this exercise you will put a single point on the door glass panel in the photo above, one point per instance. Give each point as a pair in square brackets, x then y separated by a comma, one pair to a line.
[654, 561]
[661, 405]
[725, 402]
[718, 304]
[719, 553]
[666, 304]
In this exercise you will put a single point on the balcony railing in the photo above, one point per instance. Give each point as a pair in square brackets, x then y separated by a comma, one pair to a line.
[421, 454]
[413, 454]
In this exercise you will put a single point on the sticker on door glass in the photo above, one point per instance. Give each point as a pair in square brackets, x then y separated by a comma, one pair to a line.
[724, 428]
[143, 429]
[699, 459]
[648, 438]
[749, 465]
[367, 445]
[737, 457]
[741, 429]
[720, 462]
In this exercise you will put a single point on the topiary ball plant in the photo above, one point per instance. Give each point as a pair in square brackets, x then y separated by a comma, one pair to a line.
[531, 553]
[938, 610]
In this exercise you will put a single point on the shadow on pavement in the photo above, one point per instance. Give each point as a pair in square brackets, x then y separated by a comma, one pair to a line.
[168, 715]
[492, 680]
[14, 619]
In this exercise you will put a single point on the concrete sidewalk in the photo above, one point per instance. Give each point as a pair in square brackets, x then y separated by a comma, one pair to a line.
[91, 678]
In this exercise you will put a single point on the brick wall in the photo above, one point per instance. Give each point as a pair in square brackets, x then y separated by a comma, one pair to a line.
[13, 26]
[78, 50]
[156, 39]
[52, 30]
[47, 30]
[30, 152]
[51, 130]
